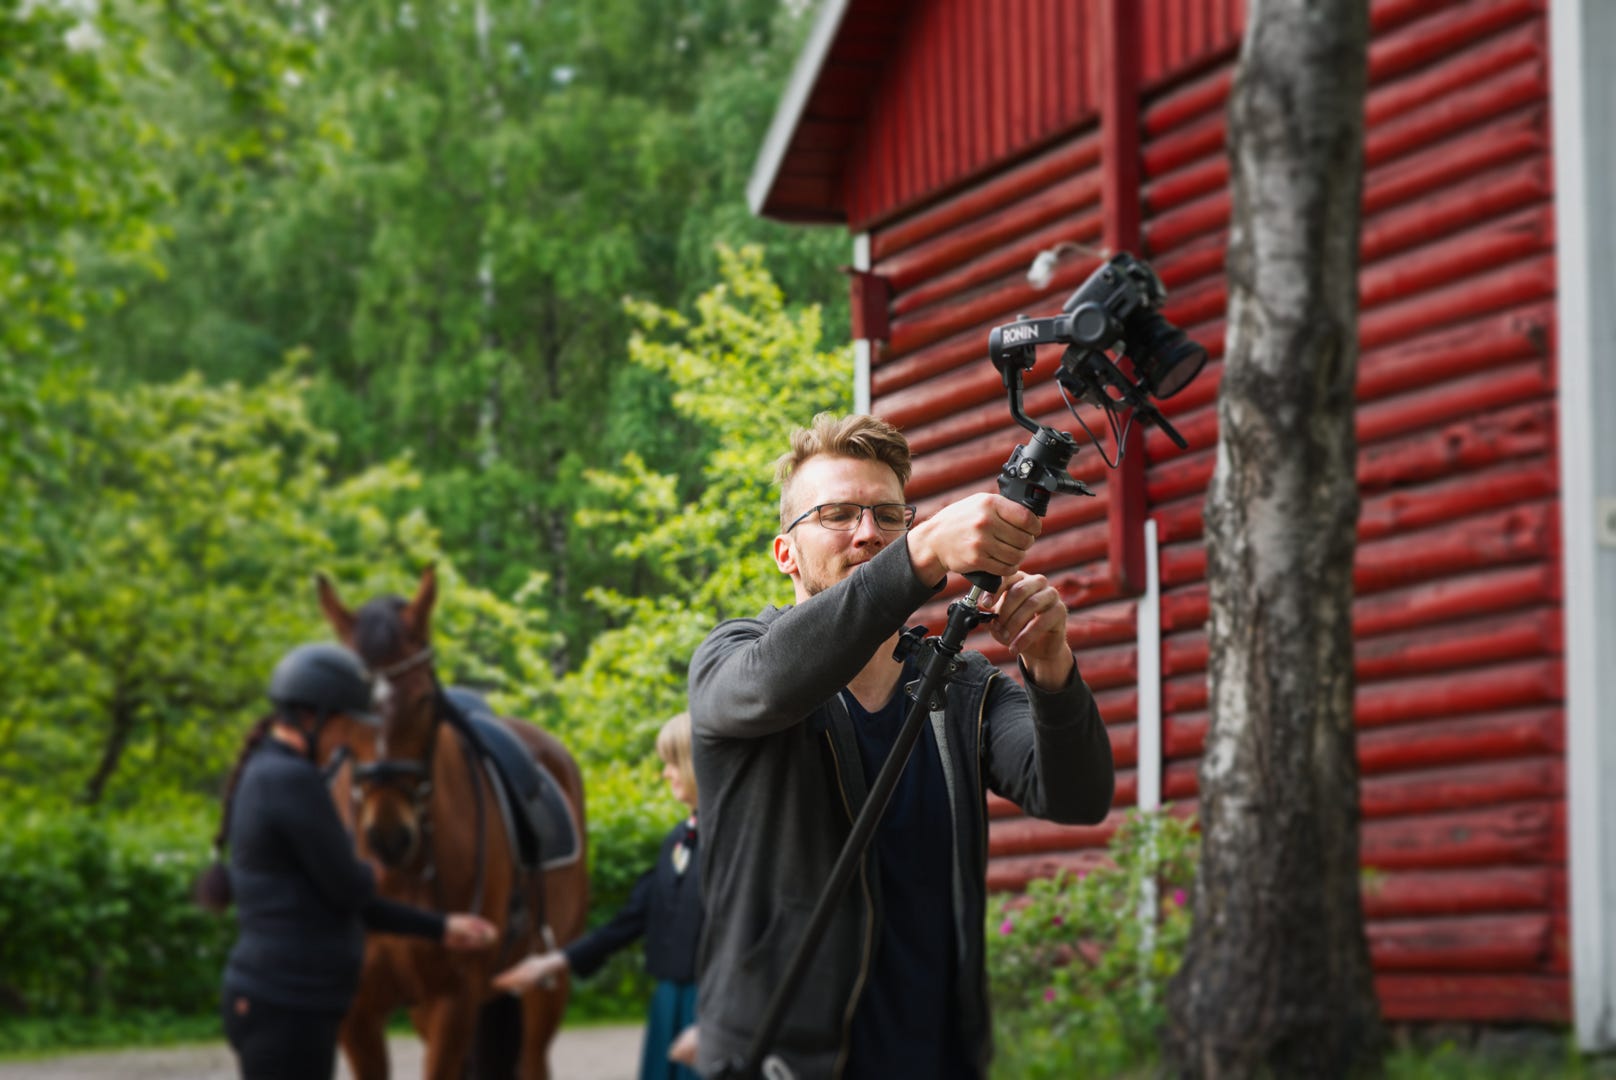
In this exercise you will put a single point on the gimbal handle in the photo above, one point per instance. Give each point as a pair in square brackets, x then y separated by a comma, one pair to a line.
[1036, 470]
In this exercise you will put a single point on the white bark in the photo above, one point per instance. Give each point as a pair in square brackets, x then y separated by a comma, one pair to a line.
[1276, 978]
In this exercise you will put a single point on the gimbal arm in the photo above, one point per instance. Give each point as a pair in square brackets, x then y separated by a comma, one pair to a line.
[1037, 469]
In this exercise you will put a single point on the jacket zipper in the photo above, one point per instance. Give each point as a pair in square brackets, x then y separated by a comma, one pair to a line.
[869, 927]
[982, 796]
[956, 880]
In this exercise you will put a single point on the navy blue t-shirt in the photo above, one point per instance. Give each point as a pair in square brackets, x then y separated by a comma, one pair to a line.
[906, 1024]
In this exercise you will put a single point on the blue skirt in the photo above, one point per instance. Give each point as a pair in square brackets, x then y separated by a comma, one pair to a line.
[673, 1008]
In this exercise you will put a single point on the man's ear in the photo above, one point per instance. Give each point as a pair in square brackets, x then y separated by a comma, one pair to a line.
[784, 557]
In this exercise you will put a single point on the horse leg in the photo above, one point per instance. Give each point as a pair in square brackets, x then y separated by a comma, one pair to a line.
[364, 1043]
[448, 1027]
[541, 1019]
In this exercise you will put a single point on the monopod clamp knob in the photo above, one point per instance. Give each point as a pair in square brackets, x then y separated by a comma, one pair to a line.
[909, 643]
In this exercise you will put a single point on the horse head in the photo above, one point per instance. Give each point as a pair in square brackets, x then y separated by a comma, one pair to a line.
[393, 637]
[421, 803]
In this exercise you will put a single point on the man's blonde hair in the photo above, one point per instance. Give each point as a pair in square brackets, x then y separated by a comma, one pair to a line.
[673, 747]
[862, 437]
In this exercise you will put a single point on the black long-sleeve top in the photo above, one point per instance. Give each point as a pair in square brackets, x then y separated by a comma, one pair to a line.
[664, 908]
[303, 897]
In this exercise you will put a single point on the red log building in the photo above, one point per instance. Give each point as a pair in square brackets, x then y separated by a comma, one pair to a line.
[958, 139]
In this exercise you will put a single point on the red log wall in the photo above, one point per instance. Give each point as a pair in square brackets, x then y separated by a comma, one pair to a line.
[1460, 684]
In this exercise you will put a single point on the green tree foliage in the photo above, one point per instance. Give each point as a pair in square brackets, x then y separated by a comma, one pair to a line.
[438, 209]
[159, 574]
[87, 164]
[745, 370]
[466, 193]
[168, 565]
[70, 168]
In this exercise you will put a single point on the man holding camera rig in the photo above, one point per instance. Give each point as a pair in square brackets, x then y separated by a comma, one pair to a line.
[795, 711]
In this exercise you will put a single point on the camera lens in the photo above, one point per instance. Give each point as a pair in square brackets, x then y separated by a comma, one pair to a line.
[1166, 358]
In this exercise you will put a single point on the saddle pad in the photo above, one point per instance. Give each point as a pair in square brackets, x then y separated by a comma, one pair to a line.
[546, 831]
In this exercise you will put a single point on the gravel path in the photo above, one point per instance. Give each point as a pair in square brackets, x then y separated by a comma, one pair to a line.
[583, 1053]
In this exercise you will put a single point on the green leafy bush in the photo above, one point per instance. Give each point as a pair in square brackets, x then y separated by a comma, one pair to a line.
[745, 369]
[1078, 965]
[97, 926]
[625, 832]
[97, 920]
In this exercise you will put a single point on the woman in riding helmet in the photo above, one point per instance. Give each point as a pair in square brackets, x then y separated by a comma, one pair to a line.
[303, 897]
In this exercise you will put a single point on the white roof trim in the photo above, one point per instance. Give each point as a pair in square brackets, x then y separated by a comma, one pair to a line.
[792, 103]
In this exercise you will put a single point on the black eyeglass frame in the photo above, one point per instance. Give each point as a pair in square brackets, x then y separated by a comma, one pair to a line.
[909, 510]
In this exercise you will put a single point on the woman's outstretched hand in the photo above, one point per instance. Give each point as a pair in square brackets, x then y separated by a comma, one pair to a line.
[536, 969]
[464, 931]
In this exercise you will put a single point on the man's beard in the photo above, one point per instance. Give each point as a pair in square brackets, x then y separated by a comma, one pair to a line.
[814, 584]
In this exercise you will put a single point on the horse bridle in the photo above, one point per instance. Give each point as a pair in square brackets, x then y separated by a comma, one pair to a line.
[390, 770]
[419, 770]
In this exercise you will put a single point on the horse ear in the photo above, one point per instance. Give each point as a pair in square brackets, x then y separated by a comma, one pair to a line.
[336, 613]
[418, 614]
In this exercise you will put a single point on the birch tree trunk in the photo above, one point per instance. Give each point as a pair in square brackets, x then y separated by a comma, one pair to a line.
[1276, 977]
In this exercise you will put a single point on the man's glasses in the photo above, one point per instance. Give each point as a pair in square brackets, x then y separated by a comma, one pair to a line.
[845, 516]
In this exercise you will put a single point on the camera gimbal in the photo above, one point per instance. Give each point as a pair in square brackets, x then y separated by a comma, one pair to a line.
[1116, 309]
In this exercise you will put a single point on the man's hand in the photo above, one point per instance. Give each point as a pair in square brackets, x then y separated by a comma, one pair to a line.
[984, 532]
[685, 1047]
[1031, 623]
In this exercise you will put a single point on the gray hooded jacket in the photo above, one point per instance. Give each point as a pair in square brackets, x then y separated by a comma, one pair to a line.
[780, 781]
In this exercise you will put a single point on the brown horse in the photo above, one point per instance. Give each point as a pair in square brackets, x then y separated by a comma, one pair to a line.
[424, 814]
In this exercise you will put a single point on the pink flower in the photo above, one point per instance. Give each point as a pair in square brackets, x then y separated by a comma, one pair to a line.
[1178, 897]
[1049, 993]
[1056, 920]
[1006, 926]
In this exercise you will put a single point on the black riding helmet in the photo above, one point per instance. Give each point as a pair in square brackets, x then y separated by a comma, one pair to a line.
[324, 678]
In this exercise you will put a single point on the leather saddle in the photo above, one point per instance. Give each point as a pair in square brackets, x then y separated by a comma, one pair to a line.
[537, 816]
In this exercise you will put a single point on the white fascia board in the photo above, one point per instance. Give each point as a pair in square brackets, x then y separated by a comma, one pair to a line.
[863, 349]
[1148, 723]
[1583, 97]
[810, 62]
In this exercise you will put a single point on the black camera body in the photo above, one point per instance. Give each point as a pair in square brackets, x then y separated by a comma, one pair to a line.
[1118, 291]
[1118, 307]
[1117, 310]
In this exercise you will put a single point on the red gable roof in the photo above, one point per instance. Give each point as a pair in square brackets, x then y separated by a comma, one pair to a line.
[800, 167]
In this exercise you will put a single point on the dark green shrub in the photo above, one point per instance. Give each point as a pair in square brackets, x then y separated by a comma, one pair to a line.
[97, 919]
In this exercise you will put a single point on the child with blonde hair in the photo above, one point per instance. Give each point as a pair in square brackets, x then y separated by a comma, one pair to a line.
[665, 909]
